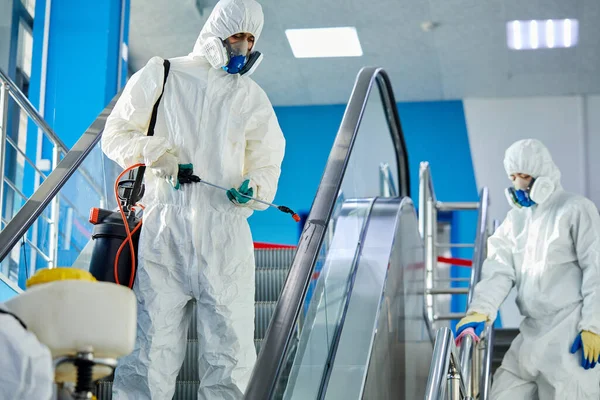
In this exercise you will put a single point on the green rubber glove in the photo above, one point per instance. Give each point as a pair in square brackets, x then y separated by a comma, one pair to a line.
[238, 196]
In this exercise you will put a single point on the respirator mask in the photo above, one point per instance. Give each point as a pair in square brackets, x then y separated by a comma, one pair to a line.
[523, 194]
[234, 58]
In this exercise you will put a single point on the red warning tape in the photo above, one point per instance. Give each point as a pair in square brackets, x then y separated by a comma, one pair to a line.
[270, 246]
[460, 262]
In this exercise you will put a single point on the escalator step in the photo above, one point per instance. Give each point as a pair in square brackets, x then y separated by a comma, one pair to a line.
[193, 329]
[183, 390]
[279, 258]
[263, 313]
[270, 278]
[504, 337]
[104, 390]
[269, 283]
[189, 369]
[186, 390]
[258, 345]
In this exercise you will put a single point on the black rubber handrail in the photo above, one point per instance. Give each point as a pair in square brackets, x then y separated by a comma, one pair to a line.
[272, 355]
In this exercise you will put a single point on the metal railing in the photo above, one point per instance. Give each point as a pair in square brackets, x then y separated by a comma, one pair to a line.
[469, 376]
[428, 224]
[387, 188]
[8, 90]
[445, 376]
[18, 226]
[271, 358]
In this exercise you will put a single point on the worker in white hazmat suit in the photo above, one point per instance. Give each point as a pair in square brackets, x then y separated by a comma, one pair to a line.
[26, 370]
[549, 248]
[195, 241]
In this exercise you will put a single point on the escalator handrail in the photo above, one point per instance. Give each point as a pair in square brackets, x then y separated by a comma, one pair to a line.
[480, 242]
[479, 254]
[31, 111]
[281, 329]
[18, 226]
[23, 102]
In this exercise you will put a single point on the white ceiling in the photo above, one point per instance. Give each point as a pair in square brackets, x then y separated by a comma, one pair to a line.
[466, 56]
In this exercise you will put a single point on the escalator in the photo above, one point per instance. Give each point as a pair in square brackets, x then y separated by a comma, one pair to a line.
[339, 316]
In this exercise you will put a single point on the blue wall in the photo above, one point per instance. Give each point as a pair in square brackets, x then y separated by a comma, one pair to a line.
[434, 132]
[309, 133]
[437, 132]
[83, 54]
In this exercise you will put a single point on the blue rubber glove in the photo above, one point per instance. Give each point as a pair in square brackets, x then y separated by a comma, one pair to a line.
[589, 344]
[476, 321]
[235, 195]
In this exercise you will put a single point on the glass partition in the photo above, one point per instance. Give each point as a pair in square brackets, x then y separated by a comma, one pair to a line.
[305, 368]
[58, 237]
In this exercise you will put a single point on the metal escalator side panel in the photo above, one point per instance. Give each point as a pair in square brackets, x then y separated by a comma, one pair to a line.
[270, 362]
[401, 349]
[322, 318]
[353, 345]
[370, 357]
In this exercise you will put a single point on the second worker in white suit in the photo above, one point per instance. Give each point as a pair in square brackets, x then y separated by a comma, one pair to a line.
[548, 247]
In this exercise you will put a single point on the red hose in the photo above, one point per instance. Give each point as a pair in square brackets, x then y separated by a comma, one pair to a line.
[129, 238]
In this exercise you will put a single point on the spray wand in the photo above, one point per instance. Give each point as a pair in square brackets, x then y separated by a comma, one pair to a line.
[186, 176]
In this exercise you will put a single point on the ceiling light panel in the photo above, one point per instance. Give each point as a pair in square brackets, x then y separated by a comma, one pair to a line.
[324, 42]
[542, 34]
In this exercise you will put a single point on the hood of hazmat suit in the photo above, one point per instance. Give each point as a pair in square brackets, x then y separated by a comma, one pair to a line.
[26, 364]
[531, 157]
[195, 244]
[550, 253]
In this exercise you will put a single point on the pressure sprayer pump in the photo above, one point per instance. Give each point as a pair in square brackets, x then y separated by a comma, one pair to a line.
[116, 233]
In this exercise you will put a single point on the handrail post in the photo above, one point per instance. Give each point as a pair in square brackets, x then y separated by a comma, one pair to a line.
[467, 357]
[445, 372]
[386, 183]
[436, 388]
[430, 256]
[486, 368]
[428, 228]
[476, 368]
[454, 383]
[4, 97]
[480, 242]
[54, 217]
[384, 187]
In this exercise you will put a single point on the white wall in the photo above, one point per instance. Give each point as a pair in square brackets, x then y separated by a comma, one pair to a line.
[568, 126]
[5, 23]
[592, 128]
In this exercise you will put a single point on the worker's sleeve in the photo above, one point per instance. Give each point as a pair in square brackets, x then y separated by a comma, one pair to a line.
[265, 147]
[586, 236]
[25, 363]
[124, 138]
[497, 274]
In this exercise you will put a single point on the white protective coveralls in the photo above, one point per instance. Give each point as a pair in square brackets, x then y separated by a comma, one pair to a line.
[196, 244]
[26, 370]
[551, 253]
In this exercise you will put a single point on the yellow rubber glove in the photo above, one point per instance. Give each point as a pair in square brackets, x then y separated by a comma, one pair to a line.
[589, 342]
[475, 320]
